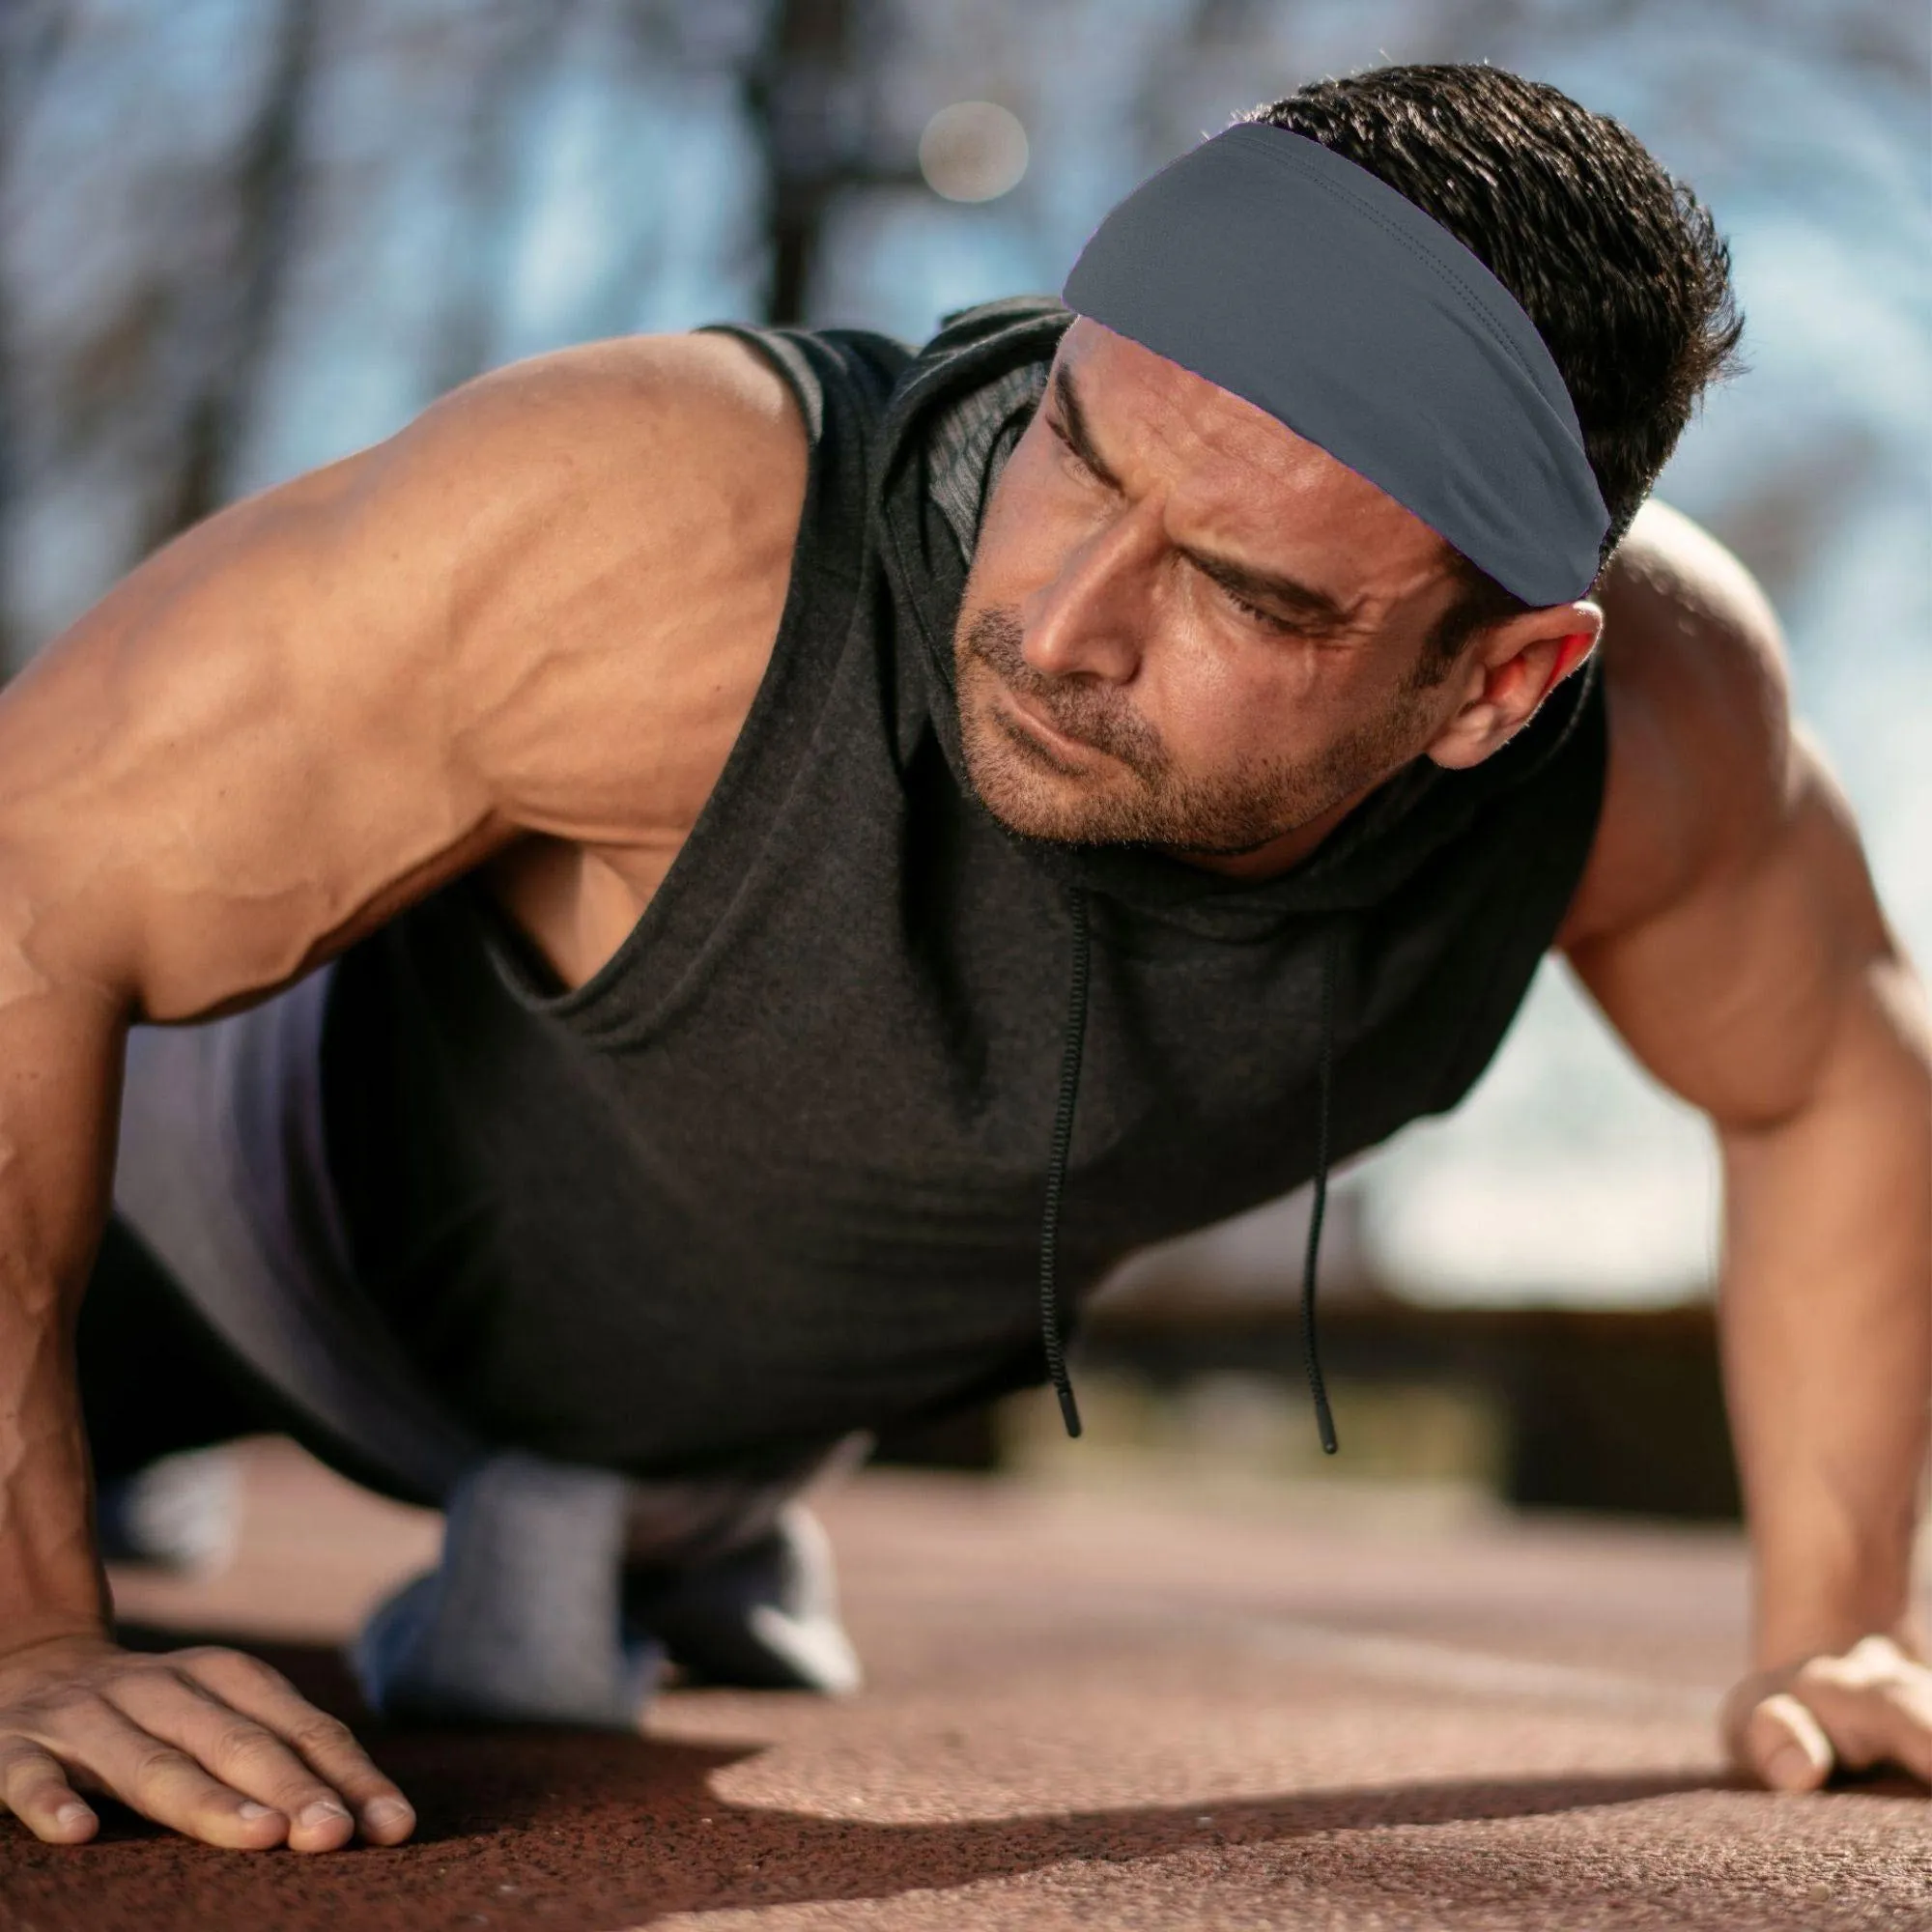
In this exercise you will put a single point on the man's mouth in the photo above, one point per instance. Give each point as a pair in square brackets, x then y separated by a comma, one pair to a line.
[1021, 719]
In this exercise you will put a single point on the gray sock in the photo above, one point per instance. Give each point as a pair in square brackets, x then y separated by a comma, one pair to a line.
[546, 1609]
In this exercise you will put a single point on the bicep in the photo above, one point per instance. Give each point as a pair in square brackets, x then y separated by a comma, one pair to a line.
[1737, 992]
[1726, 923]
[231, 765]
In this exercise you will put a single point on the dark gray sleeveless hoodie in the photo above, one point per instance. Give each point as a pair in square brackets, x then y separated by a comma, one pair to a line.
[776, 1171]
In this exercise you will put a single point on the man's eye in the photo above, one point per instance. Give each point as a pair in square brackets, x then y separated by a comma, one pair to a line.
[1254, 611]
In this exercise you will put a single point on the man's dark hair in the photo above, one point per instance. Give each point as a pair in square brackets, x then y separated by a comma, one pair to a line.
[1615, 261]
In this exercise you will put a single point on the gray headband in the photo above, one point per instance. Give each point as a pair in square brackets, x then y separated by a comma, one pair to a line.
[1295, 279]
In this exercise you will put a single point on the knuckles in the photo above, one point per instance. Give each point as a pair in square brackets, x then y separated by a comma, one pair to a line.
[219, 1660]
[322, 1733]
[154, 1763]
[247, 1744]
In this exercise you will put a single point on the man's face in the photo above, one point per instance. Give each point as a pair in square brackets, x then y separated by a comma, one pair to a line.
[1188, 627]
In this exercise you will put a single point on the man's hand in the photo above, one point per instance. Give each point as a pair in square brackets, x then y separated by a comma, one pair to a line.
[1791, 1728]
[214, 1744]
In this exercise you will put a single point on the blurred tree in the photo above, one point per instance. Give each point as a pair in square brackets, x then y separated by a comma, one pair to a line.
[146, 211]
[511, 46]
[801, 93]
[30, 32]
[246, 290]
[813, 99]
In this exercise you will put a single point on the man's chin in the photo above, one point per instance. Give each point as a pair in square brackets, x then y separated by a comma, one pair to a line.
[1025, 806]
[1023, 813]
[1023, 802]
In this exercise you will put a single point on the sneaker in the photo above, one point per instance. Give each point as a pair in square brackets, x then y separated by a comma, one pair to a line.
[182, 1513]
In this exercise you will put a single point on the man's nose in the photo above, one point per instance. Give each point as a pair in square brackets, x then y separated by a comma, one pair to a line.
[1090, 618]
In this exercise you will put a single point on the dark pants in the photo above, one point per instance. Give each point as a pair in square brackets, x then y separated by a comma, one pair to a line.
[154, 1377]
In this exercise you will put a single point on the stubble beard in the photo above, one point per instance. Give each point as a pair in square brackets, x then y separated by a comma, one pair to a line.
[1141, 799]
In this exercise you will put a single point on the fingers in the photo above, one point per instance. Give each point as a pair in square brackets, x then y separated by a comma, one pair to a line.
[242, 1754]
[209, 1742]
[325, 1745]
[1874, 1703]
[1786, 1746]
[1870, 1705]
[34, 1787]
[1908, 1729]
[85, 1730]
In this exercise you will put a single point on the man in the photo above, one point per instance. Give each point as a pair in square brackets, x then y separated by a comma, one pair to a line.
[780, 815]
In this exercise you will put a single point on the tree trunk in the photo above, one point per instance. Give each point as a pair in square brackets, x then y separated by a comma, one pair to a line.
[799, 89]
[268, 192]
[30, 36]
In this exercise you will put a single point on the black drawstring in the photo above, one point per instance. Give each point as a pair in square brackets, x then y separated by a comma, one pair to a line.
[1076, 1038]
[1324, 1421]
[1056, 1170]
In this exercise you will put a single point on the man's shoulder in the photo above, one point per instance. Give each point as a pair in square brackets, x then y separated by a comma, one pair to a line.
[1697, 679]
[668, 424]
[625, 511]
[624, 518]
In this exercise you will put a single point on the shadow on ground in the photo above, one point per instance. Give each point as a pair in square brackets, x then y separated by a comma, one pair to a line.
[582, 1831]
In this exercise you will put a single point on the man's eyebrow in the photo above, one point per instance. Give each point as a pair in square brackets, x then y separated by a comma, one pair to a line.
[1307, 606]
[1079, 434]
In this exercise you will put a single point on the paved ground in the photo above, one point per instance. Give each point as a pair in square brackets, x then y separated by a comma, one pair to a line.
[1113, 1709]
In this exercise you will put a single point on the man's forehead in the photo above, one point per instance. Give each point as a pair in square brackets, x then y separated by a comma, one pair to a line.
[1280, 497]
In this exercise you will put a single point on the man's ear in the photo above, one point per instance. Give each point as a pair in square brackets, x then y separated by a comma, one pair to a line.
[1508, 675]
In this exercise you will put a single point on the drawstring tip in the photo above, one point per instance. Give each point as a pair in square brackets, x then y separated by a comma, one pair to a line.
[1319, 1207]
[1069, 1414]
[1052, 1339]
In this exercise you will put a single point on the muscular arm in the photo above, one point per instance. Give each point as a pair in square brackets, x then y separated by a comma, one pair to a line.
[528, 628]
[1728, 928]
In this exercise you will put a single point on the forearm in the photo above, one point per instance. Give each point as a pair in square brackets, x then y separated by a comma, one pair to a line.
[1826, 1315]
[59, 1065]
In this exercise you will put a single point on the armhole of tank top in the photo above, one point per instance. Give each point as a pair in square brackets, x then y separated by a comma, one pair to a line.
[1506, 982]
[520, 968]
